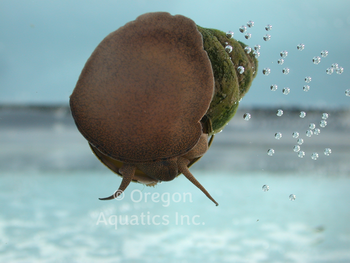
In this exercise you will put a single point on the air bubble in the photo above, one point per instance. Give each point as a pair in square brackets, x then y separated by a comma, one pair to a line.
[308, 79]
[267, 37]
[302, 114]
[324, 53]
[339, 70]
[314, 156]
[248, 36]
[306, 88]
[278, 135]
[265, 188]
[286, 91]
[250, 23]
[301, 154]
[312, 126]
[229, 34]
[325, 116]
[247, 116]
[300, 47]
[296, 148]
[285, 71]
[280, 61]
[279, 112]
[334, 66]
[347, 92]
[257, 47]
[329, 71]
[295, 135]
[292, 197]
[248, 50]
[309, 133]
[240, 69]
[327, 151]
[317, 131]
[284, 54]
[300, 141]
[242, 29]
[266, 71]
[316, 60]
[256, 53]
[273, 87]
[228, 49]
[268, 27]
[270, 152]
[323, 123]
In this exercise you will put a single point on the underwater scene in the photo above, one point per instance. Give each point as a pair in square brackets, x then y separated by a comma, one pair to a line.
[270, 90]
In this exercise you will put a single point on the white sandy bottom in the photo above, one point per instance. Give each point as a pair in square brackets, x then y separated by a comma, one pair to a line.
[57, 217]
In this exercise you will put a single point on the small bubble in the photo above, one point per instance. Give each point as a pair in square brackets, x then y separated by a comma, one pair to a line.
[248, 49]
[270, 152]
[280, 61]
[312, 126]
[300, 141]
[309, 133]
[279, 112]
[240, 70]
[268, 27]
[325, 116]
[247, 116]
[317, 131]
[295, 135]
[301, 154]
[314, 156]
[306, 88]
[228, 49]
[266, 71]
[292, 197]
[302, 114]
[316, 60]
[308, 79]
[286, 91]
[347, 92]
[285, 71]
[284, 54]
[273, 87]
[324, 53]
[250, 23]
[339, 70]
[265, 188]
[242, 29]
[257, 47]
[229, 34]
[296, 148]
[267, 37]
[327, 151]
[329, 71]
[334, 66]
[323, 123]
[300, 47]
[256, 53]
[278, 135]
[248, 36]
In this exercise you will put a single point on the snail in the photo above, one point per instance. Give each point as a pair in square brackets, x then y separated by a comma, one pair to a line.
[153, 94]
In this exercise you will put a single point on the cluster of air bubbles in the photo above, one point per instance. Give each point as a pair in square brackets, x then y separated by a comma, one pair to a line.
[268, 27]
[242, 29]
[279, 112]
[266, 71]
[286, 91]
[308, 79]
[267, 37]
[306, 88]
[247, 116]
[229, 34]
[292, 197]
[240, 69]
[273, 87]
[265, 188]
[316, 60]
[347, 92]
[284, 54]
[302, 114]
[247, 49]
[228, 48]
[270, 152]
[248, 36]
[314, 156]
[300, 46]
[324, 53]
[280, 61]
[335, 67]
[278, 135]
[285, 71]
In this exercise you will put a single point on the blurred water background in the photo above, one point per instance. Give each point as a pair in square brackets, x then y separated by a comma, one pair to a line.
[50, 181]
